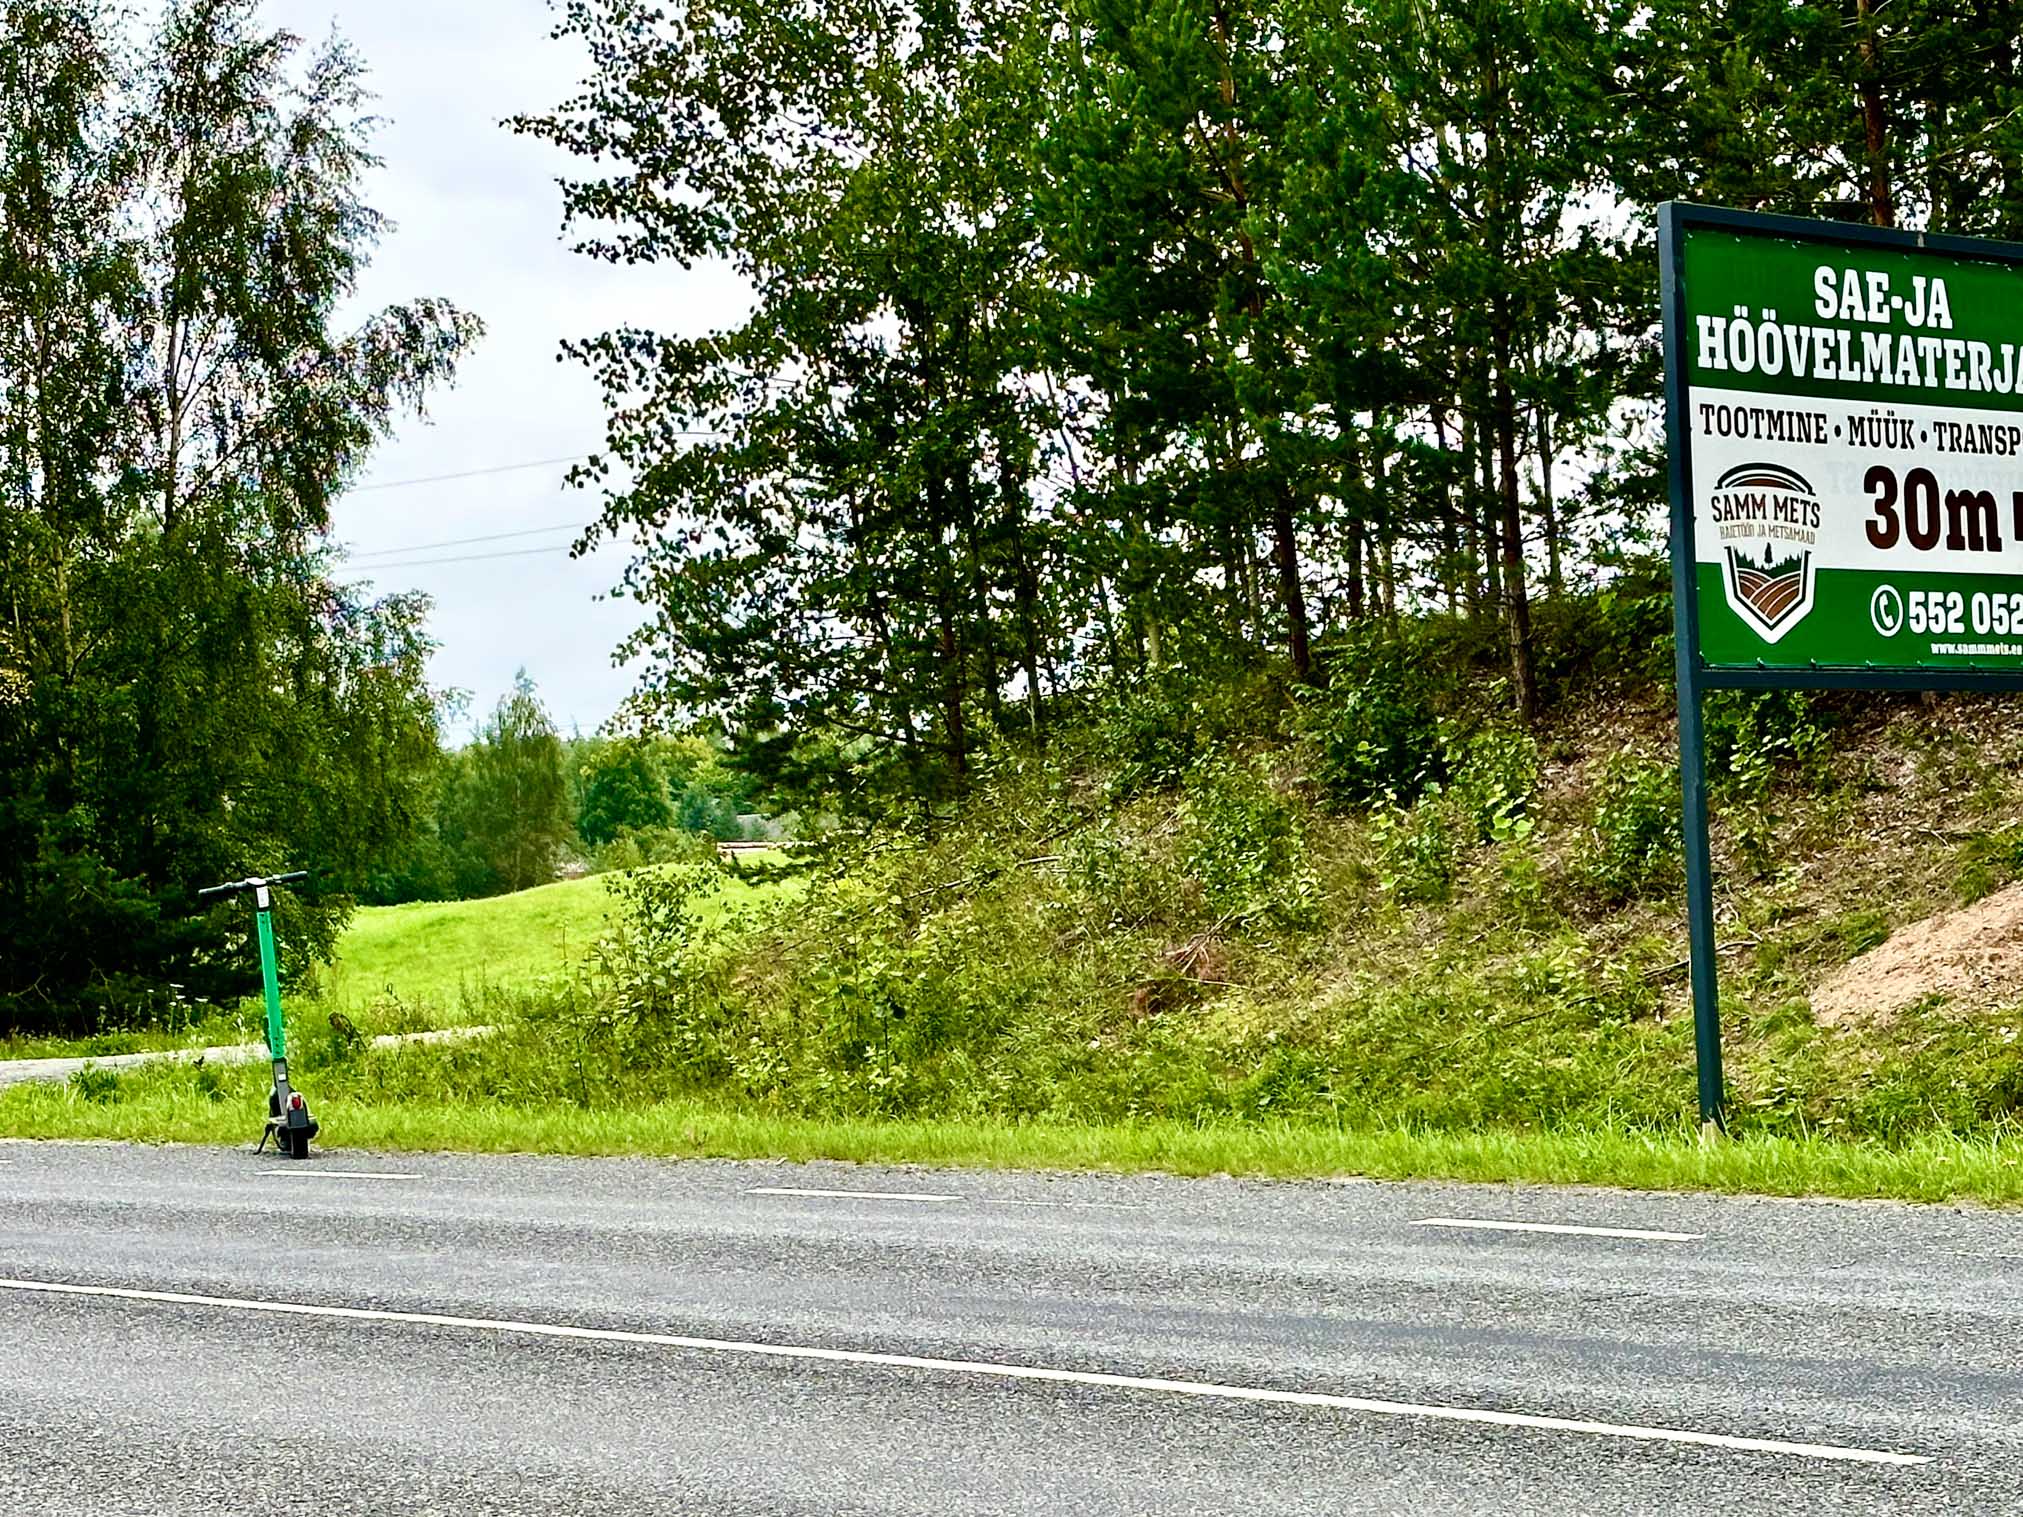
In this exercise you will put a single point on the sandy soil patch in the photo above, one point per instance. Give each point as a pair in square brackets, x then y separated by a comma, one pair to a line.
[1973, 956]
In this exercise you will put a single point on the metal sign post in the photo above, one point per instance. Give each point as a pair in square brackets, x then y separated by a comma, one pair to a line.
[1844, 419]
[288, 1119]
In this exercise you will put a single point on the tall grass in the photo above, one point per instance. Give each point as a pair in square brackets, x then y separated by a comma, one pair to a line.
[1931, 1168]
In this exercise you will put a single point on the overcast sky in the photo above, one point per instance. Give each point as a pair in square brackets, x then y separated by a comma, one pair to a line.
[478, 216]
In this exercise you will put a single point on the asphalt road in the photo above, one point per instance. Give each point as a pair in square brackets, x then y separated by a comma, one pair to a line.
[492, 1335]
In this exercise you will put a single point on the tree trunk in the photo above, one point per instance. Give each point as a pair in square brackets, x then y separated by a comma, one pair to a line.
[1548, 512]
[1356, 591]
[1253, 597]
[1484, 500]
[1471, 522]
[1229, 548]
[955, 676]
[1450, 529]
[952, 689]
[1388, 549]
[986, 630]
[1516, 606]
[1285, 549]
[1026, 587]
[1386, 537]
[1882, 207]
[1106, 601]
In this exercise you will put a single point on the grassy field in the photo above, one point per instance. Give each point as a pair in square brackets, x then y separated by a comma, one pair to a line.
[1121, 958]
[406, 968]
[186, 1107]
[440, 956]
[442, 960]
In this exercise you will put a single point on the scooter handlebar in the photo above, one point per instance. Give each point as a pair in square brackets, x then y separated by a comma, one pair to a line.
[234, 887]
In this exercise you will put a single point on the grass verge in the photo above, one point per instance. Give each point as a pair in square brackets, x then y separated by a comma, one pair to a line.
[1933, 1168]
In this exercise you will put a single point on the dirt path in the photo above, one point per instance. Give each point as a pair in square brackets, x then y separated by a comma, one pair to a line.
[21, 1071]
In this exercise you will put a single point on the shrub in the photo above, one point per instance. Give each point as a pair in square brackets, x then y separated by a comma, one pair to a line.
[1633, 846]
[1417, 854]
[1494, 773]
[1752, 737]
[1152, 734]
[1243, 842]
[631, 848]
[654, 999]
[1375, 732]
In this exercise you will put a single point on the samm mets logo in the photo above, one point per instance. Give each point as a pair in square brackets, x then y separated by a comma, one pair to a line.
[1768, 521]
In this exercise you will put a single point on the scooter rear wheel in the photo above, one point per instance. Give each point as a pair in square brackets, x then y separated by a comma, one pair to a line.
[298, 1142]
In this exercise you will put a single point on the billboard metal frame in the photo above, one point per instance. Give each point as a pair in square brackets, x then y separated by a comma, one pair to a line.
[1695, 675]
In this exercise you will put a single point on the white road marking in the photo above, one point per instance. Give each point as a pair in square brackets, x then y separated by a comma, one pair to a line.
[1493, 1225]
[1064, 1205]
[334, 1174]
[853, 1195]
[1198, 1388]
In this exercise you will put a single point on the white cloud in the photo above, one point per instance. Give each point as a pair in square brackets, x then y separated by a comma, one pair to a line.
[478, 217]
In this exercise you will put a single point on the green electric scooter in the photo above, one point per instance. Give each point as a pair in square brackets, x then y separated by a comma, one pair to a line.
[288, 1121]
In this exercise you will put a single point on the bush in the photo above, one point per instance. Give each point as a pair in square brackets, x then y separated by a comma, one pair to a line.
[1152, 736]
[1633, 847]
[1753, 734]
[1243, 842]
[1417, 854]
[1620, 635]
[1494, 773]
[1752, 737]
[631, 848]
[1374, 730]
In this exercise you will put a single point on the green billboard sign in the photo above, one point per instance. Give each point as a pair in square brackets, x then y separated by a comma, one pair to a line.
[1844, 416]
[1850, 414]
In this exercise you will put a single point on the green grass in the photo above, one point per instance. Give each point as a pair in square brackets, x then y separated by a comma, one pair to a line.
[164, 1107]
[440, 955]
[440, 959]
[443, 964]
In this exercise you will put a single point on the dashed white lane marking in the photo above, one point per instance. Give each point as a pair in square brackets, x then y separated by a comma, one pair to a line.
[1063, 1205]
[852, 1195]
[1494, 1225]
[1196, 1388]
[334, 1174]
[920, 1195]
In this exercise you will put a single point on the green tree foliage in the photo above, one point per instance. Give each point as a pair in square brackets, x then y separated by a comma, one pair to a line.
[623, 787]
[1102, 342]
[508, 800]
[862, 553]
[1899, 112]
[188, 693]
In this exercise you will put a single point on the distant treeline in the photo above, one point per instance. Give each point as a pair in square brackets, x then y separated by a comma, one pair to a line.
[520, 803]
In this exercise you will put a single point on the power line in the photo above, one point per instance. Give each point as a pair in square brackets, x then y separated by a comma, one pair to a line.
[461, 558]
[437, 479]
[458, 542]
[532, 463]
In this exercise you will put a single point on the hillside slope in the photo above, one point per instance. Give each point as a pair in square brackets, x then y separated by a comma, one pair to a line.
[440, 961]
[1388, 905]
